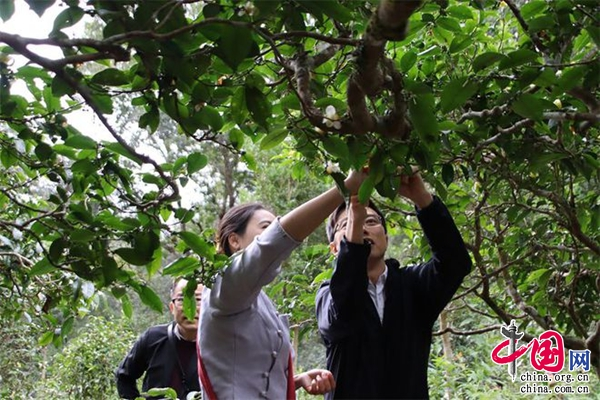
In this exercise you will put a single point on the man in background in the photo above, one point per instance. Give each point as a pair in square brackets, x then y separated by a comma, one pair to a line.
[166, 353]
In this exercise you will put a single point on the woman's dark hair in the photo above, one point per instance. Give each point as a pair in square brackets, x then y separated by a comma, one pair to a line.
[235, 221]
[333, 219]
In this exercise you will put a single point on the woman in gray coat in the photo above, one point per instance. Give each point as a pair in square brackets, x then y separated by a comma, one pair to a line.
[243, 343]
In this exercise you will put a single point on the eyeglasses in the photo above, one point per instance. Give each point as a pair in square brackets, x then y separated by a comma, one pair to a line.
[179, 300]
[370, 222]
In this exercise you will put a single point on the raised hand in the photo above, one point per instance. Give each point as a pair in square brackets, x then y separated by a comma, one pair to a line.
[354, 180]
[413, 188]
[356, 215]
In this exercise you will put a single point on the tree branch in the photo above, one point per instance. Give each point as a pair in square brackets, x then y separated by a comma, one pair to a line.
[343, 41]
[84, 91]
[467, 333]
[534, 37]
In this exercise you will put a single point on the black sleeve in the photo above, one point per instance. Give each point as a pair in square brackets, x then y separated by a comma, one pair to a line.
[338, 301]
[441, 276]
[132, 368]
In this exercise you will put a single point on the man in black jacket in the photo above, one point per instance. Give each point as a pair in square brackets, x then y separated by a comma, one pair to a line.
[166, 353]
[376, 318]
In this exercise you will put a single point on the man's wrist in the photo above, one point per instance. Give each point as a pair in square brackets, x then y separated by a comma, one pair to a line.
[423, 200]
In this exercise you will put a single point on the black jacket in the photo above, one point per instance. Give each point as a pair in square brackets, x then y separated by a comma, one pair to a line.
[155, 354]
[374, 360]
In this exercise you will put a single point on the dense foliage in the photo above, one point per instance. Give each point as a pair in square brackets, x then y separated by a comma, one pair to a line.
[496, 101]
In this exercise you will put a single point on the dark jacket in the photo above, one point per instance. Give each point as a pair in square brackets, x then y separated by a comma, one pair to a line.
[155, 354]
[375, 360]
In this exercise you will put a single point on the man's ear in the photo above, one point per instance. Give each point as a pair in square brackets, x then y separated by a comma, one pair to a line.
[234, 242]
[333, 248]
[172, 307]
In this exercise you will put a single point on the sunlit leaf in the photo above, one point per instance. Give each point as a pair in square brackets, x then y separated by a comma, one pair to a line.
[150, 298]
[181, 266]
[197, 244]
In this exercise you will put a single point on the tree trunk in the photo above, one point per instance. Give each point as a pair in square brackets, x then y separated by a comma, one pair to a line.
[448, 353]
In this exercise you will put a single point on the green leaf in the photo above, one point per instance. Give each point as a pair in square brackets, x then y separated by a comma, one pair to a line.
[85, 167]
[211, 10]
[456, 93]
[572, 77]
[388, 187]
[236, 138]
[145, 243]
[408, 60]
[46, 338]
[126, 306]
[162, 392]
[541, 161]
[518, 58]
[39, 6]
[7, 158]
[80, 213]
[534, 276]
[450, 24]
[119, 149]
[273, 139]
[377, 165]
[150, 298]
[532, 8]
[81, 142]
[266, 7]
[154, 266]
[195, 162]
[133, 257]
[197, 244]
[82, 235]
[7, 9]
[290, 102]
[399, 153]
[423, 118]
[366, 189]
[150, 120]
[460, 43]
[486, 60]
[460, 12]
[336, 147]
[43, 151]
[333, 9]
[234, 45]
[258, 105]
[67, 326]
[239, 110]
[41, 267]
[110, 77]
[104, 103]
[181, 266]
[61, 88]
[56, 249]
[528, 106]
[212, 117]
[447, 174]
[67, 18]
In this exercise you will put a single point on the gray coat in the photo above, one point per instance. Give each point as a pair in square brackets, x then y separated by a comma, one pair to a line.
[244, 343]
